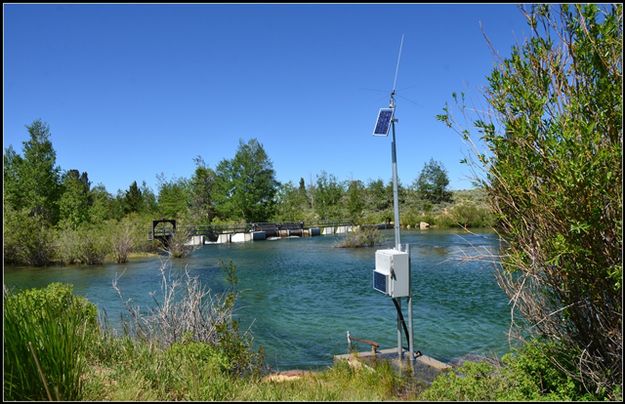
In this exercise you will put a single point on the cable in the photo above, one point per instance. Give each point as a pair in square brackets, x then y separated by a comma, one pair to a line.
[401, 318]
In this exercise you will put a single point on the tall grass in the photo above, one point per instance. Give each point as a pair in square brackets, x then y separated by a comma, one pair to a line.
[46, 334]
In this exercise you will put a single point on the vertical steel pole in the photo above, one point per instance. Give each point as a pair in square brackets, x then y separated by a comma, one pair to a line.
[395, 192]
[399, 348]
[410, 332]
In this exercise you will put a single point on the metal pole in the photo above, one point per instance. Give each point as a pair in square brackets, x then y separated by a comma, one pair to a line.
[410, 332]
[395, 192]
[399, 348]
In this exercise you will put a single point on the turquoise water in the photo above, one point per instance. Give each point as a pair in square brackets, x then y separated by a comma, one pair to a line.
[300, 296]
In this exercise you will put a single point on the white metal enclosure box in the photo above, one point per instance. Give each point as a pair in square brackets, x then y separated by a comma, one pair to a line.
[391, 274]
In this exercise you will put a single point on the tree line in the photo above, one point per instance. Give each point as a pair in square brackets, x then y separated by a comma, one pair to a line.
[42, 201]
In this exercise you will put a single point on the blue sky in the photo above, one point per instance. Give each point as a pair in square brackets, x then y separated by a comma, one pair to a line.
[132, 91]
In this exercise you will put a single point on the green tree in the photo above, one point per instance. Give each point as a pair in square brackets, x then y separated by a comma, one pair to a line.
[202, 184]
[174, 197]
[12, 188]
[150, 204]
[432, 183]
[291, 203]
[133, 199]
[74, 202]
[327, 195]
[554, 179]
[39, 176]
[246, 185]
[355, 200]
[377, 197]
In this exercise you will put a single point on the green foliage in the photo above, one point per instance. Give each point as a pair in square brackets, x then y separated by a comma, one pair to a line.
[363, 236]
[174, 197]
[128, 235]
[46, 335]
[292, 203]
[102, 206]
[74, 202]
[201, 188]
[87, 244]
[327, 196]
[432, 183]
[245, 186]
[133, 199]
[554, 180]
[32, 181]
[525, 374]
[27, 239]
[355, 201]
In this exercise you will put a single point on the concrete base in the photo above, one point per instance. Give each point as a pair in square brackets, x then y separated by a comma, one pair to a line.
[240, 237]
[195, 240]
[426, 368]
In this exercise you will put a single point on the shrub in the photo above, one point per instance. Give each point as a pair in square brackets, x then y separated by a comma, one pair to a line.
[27, 238]
[363, 236]
[46, 334]
[524, 374]
[85, 245]
[193, 314]
[554, 178]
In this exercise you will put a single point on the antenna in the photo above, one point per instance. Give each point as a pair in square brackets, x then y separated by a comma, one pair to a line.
[401, 45]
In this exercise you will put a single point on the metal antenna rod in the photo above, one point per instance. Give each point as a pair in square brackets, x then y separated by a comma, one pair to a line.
[401, 44]
[394, 154]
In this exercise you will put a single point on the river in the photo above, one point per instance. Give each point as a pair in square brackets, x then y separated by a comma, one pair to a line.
[300, 296]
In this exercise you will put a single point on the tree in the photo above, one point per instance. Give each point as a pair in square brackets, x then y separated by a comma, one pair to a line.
[101, 208]
[432, 183]
[554, 179]
[74, 202]
[291, 203]
[133, 199]
[150, 204]
[377, 198]
[202, 184]
[355, 200]
[13, 192]
[174, 197]
[327, 196]
[38, 175]
[246, 185]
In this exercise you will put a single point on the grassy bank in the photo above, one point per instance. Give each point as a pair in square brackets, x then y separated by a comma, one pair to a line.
[55, 349]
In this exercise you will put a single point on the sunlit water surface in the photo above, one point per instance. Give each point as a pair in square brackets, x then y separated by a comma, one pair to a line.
[300, 296]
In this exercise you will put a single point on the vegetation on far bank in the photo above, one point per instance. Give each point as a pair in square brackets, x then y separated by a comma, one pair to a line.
[52, 216]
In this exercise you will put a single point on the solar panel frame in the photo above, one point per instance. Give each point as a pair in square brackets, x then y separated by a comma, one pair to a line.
[383, 123]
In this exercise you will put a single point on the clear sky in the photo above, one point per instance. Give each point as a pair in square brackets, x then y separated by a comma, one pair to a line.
[131, 91]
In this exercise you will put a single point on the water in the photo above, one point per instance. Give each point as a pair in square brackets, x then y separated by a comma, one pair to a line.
[300, 296]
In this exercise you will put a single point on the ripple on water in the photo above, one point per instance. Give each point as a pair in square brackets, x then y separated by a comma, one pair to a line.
[300, 296]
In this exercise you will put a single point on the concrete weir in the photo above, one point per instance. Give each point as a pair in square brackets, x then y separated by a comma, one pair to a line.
[266, 231]
[241, 237]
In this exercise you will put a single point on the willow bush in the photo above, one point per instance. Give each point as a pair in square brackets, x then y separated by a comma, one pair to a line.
[554, 180]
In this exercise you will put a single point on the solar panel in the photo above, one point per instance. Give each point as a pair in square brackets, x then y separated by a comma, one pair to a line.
[384, 122]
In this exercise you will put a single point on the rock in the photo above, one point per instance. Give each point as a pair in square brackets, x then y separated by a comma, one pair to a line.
[424, 225]
[285, 376]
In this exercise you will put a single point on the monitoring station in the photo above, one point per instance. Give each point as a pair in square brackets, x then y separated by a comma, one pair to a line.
[391, 275]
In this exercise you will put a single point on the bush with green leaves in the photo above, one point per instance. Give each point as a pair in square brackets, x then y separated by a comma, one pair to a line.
[554, 181]
[46, 335]
[28, 239]
[362, 236]
[526, 373]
